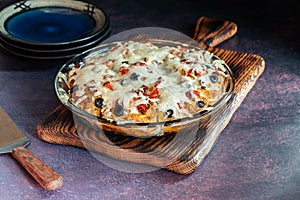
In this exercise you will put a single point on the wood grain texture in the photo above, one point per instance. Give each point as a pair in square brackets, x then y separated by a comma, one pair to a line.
[42, 173]
[181, 152]
[211, 32]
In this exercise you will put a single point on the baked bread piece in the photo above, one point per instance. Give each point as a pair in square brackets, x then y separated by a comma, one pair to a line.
[141, 82]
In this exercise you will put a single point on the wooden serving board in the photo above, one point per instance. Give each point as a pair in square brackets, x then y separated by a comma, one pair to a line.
[59, 126]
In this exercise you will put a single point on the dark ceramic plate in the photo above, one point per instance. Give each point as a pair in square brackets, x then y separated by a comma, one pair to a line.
[51, 54]
[52, 25]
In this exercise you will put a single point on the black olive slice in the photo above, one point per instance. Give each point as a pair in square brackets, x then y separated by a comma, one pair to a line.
[118, 110]
[169, 113]
[98, 102]
[200, 104]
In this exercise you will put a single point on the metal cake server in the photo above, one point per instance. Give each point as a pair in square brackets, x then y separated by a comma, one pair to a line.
[12, 140]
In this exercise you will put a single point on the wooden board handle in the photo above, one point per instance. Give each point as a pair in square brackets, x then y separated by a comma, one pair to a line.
[211, 32]
[42, 173]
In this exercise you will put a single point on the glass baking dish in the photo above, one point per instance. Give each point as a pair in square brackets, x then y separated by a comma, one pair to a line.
[203, 120]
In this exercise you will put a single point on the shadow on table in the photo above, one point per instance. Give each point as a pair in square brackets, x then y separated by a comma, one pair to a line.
[11, 62]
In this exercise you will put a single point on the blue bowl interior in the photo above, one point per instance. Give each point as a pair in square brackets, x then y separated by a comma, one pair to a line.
[50, 25]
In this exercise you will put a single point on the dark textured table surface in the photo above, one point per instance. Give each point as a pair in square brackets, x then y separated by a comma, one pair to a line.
[257, 156]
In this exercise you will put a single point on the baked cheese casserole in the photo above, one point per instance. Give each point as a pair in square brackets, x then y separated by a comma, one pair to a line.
[142, 82]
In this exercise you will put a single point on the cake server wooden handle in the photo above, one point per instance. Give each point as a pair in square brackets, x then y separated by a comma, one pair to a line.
[42, 173]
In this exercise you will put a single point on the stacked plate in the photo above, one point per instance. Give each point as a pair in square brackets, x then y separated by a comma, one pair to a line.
[54, 29]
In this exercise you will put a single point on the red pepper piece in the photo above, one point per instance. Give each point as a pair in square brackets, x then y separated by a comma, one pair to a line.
[182, 71]
[188, 94]
[196, 92]
[197, 73]
[154, 93]
[106, 63]
[145, 88]
[115, 47]
[190, 72]
[108, 85]
[157, 83]
[142, 108]
[124, 70]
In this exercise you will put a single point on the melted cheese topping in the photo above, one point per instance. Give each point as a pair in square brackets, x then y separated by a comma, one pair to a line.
[141, 82]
